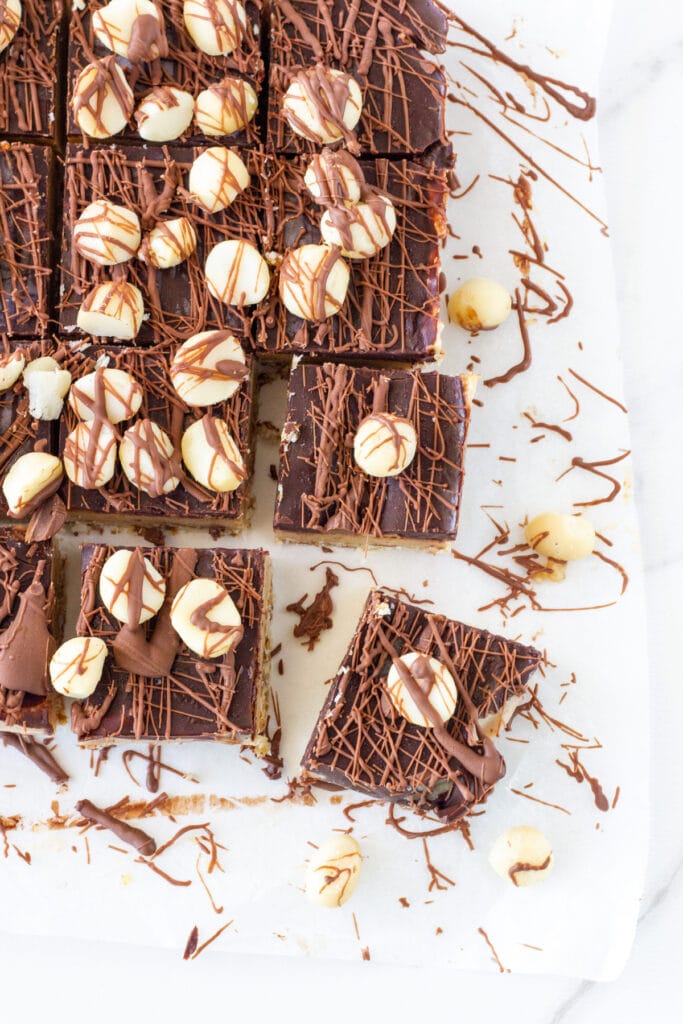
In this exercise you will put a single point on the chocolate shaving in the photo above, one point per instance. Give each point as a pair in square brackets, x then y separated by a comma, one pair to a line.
[315, 618]
[38, 753]
[129, 834]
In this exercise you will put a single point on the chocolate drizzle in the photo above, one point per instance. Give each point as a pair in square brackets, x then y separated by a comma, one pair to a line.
[128, 834]
[38, 753]
[317, 617]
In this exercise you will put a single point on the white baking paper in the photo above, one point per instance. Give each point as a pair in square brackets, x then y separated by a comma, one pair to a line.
[581, 921]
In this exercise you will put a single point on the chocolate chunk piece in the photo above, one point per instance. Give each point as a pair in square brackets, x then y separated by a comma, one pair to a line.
[447, 767]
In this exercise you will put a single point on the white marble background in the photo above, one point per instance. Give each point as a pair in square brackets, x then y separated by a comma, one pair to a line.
[642, 143]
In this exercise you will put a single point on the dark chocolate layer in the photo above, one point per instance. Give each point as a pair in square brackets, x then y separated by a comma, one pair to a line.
[380, 44]
[361, 742]
[186, 66]
[320, 488]
[28, 72]
[200, 698]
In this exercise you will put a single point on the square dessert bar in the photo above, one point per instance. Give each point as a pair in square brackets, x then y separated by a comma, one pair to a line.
[391, 311]
[381, 45]
[30, 623]
[366, 737]
[152, 182]
[324, 496]
[189, 503]
[20, 432]
[223, 698]
[25, 238]
[186, 66]
[29, 75]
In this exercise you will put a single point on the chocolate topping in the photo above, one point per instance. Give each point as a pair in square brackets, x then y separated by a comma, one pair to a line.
[29, 69]
[129, 834]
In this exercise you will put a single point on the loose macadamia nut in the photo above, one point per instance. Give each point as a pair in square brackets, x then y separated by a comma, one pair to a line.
[430, 677]
[333, 871]
[119, 574]
[145, 454]
[211, 455]
[334, 177]
[116, 26]
[208, 368]
[215, 26]
[164, 114]
[384, 444]
[217, 177]
[205, 618]
[113, 309]
[493, 724]
[102, 101]
[236, 273]
[225, 107]
[480, 304]
[11, 368]
[10, 19]
[107, 234]
[563, 537]
[322, 104]
[314, 280]
[169, 243]
[117, 390]
[360, 230]
[47, 384]
[31, 478]
[90, 454]
[522, 855]
[76, 666]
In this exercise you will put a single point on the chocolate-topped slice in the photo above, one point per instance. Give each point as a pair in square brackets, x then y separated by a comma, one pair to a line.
[25, 238]
[30, 622]
[169, 45]
[372, 456]
[156, 269]
[150, 436]
[395, 212]
[414, 712]
[29, 80]
[187, 644]
[380, 47]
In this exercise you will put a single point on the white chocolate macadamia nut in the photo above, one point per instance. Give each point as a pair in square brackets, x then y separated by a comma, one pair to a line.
[76, 666]
[11, 368]
[117, 390]
[117, 27]
[33, 476]
[211, 455]
[384, 444]
[107, 234]
[236, 273]
[205, 618]
[429, 676]
[208, 368]
[522, 855]
[217, 177]
[215, 26]
[10, 19]
[333, 871]
[164, 114]
[314, 280]
[480, 304]
[322, 104]
[333, 177]
[47, 384]
[169, 243]
[119, 587]
[225, 107]
[360, 230]
[113, 309]
[90, 454]
[563, 537]
[145, 454]
[102, 101]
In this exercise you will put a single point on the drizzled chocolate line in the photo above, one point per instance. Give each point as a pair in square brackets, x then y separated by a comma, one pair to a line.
[128, 834]
[36, 752]
[317, 617]
[28, 71]
[361, 742]
[196, 697]
[322, 489]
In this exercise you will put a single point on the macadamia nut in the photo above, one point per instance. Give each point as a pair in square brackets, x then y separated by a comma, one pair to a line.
[47, 384]
[169, 243]
[164, 114]
[433, 680]
[146, 453]
[522, 855]
[225, 107]
[208, 368]
[211, 455]
[76, 667]
[217, 177]
[30, 479]
[10, 19]
[118, 392]
[384, 444]
[322, 104]
[360, 230]
[11, 368]
[334, 870]
[107, 234]
[205, 618]
[117, 23]
[563, 537]
[90, 454]
[215, 26]
[113, 309]
[131, 588]
[480, 304]
[236, 273]
[102, 99]
[314, 280]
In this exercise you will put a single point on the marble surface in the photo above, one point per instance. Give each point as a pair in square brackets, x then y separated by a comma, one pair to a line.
[641, 132]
